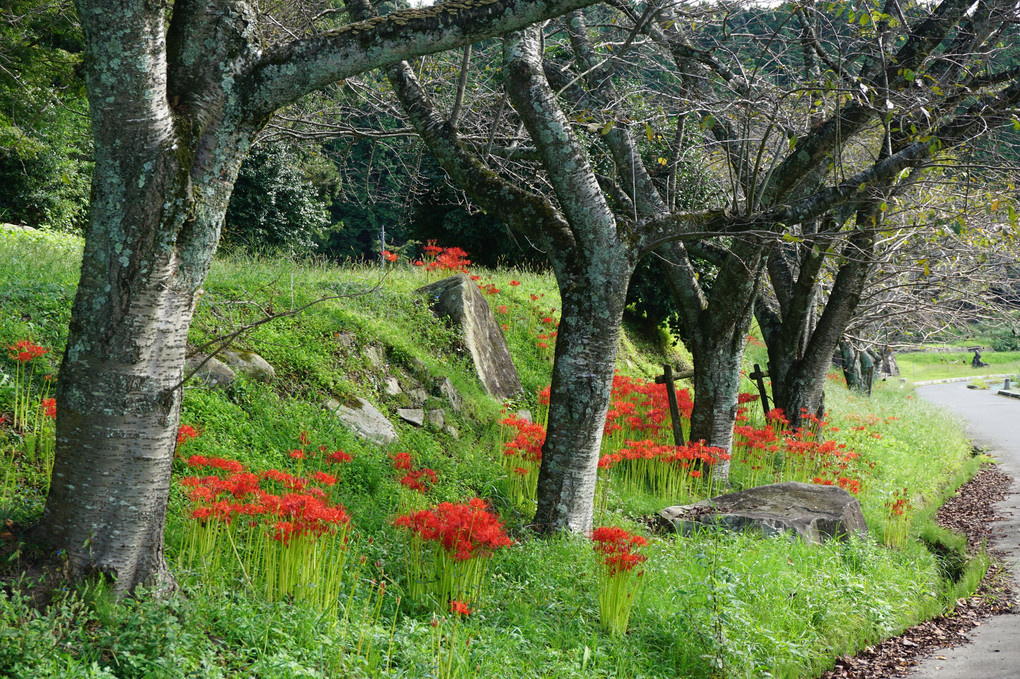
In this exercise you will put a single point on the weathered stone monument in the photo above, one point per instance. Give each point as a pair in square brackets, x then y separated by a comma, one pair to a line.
[458, 299]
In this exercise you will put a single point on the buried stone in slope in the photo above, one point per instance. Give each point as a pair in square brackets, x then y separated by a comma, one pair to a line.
[459, 299]
[814, 512]
[362, 417]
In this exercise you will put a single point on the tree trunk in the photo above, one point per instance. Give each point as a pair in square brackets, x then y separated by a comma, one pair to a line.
[582, 380]
[716, 328]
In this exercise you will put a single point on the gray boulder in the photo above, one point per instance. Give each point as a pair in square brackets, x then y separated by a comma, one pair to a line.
[458, 298]
[814, 512]
[364, 419]
[214, 373]
[418, 396]
[248, 363]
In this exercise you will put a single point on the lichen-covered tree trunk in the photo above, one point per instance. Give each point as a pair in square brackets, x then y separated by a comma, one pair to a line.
[586, 347]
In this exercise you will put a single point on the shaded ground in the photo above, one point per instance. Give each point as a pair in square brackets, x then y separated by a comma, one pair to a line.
[971, 512]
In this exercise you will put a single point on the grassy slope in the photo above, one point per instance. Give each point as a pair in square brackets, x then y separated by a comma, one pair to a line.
[712, 605]
[940, 365]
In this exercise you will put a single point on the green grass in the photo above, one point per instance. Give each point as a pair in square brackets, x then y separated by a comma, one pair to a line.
[940, 365]
[712, 605]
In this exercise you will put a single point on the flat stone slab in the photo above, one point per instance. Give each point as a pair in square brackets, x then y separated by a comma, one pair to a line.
[458, 299]
[366, 421]
[813, 512]
[415, 416]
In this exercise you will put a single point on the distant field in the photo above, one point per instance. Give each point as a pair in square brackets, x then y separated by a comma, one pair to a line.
[938, 365]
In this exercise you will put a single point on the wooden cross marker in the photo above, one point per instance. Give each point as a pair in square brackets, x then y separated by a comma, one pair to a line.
[759, 377]
[674, 409]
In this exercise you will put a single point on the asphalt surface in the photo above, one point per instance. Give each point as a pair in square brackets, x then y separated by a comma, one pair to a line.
[993, 422]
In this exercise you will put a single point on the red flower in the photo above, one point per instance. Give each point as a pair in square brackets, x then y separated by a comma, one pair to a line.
[402, 461]
[459, 607]
[338, 457]
[464, 530]
[515, 283]
[617, 548]
[421, 480]
[49, 408]
[24, 351]
[389, 256]
[297, 454]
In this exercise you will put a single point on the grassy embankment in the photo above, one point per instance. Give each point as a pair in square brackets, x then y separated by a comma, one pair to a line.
[711, 605]
[941, 365]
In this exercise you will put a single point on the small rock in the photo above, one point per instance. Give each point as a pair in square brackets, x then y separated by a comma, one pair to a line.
[364, 419]
[418, 396]
[392, 387]
[525, 415]
[450, 393]
[376, 356]
[436, 418]
[249, 363]
[415, 416]
[452, 431]
[346, 339]
[214, 373]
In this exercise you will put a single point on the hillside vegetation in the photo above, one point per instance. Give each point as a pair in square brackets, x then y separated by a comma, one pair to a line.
[351, 590]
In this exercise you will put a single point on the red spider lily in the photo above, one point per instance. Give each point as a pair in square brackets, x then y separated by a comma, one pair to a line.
[297, 454]
[747, 398]
[49, 407]
[465, 531]
[324, 478]
[421, 480]
[232, 466]
[617, 548]
[389, 256]
[515, 283]
[338, 457]
[24, 351]
[502, 308]
[185, 434]
[402, 461]
[459, 607]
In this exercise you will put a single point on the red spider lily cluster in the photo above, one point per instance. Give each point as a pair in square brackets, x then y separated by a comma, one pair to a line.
[666, 470]
[186, 433]
[616, 548]
[641, 409]
[304, 511]
[448, 550]
[25, 350]
[522, 455]
[49, 407]
[464, 531]
[617, 580]
[444, 259]
[419, 480]
[389, 256]
[775, 452]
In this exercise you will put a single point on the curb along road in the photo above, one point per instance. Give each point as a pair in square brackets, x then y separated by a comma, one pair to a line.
[993, 422]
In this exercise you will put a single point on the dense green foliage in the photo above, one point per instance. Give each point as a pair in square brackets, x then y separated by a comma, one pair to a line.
[45, 145]
[274, 206]
[712, 605]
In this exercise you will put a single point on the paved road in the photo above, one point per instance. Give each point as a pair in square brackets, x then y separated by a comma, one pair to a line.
[993, 422]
